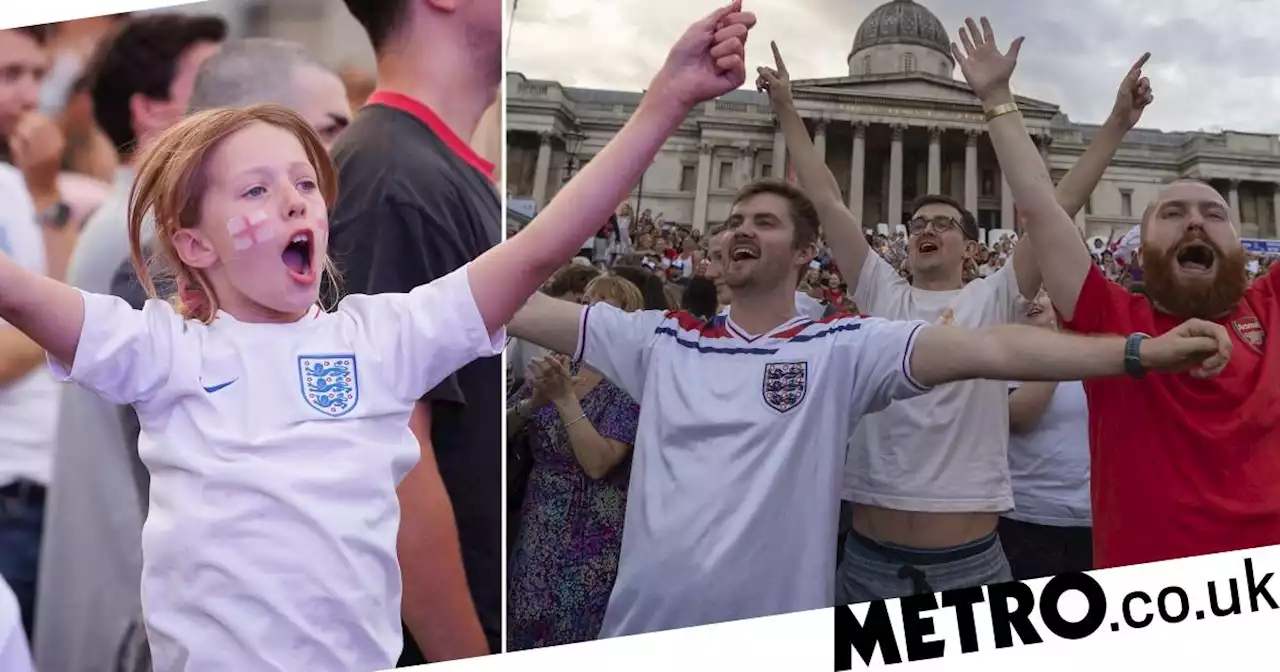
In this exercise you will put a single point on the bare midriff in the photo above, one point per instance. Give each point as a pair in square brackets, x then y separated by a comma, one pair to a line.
[926, 531]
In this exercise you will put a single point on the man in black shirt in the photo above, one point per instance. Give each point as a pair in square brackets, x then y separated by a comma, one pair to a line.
[416, 203]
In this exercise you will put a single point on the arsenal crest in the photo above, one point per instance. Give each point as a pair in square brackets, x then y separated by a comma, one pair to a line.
[329, 383]
[785, 384]
[1250, 330]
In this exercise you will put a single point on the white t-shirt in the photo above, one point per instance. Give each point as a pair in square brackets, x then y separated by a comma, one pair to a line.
[15, 655]
[945, 451]
[733, 498]
[29, 405]
[1050, 464]
[274, 452]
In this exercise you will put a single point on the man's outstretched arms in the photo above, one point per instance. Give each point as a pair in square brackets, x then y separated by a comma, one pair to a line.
[944, 354]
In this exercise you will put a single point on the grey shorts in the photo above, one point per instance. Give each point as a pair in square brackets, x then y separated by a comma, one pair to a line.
[870, 570]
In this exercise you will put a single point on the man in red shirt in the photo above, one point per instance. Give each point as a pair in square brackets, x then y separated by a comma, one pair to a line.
[1182, 466]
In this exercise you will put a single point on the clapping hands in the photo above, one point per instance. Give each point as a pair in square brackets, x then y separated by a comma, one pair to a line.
[550, 378]
[709, 60]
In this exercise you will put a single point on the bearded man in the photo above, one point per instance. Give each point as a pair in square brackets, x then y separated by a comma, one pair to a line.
[1181, 466]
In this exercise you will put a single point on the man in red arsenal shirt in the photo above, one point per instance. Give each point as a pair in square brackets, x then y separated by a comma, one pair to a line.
[1182, 466]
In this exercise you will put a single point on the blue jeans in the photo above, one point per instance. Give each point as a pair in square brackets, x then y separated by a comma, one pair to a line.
[874, 571]
[21, 525]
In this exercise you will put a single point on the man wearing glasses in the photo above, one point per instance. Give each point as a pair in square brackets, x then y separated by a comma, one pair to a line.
[928, 478]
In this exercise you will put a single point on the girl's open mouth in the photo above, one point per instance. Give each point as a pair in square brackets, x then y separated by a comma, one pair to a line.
[299, 257]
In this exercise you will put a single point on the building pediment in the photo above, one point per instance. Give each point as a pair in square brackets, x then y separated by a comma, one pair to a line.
[908, 89]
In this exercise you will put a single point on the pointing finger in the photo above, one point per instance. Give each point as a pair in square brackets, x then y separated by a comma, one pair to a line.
[777, 57]
[1142, 60]
[1135, 72]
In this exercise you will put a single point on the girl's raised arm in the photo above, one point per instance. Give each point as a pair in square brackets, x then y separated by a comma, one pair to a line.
[47, 311]
[707, 62]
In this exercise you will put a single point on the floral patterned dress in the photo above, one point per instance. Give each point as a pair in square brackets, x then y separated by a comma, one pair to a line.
[565, 556]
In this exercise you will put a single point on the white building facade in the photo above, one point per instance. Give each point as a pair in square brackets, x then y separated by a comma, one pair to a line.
[897, 127]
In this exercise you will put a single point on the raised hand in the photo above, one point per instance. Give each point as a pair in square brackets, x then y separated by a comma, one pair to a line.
[986, 69]
[776, 81]
[1134, 95]
[709, 60]
[1202, 346]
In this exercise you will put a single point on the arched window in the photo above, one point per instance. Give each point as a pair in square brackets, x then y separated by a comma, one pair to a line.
[866, 65]
[908, 63]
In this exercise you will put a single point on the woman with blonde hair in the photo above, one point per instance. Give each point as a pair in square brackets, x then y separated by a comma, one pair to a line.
[580, 429]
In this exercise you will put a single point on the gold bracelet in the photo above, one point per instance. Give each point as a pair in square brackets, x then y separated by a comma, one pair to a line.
[1001, 110]
[576, 420]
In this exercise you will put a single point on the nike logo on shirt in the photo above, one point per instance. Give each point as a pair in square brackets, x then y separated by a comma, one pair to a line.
[215, 388]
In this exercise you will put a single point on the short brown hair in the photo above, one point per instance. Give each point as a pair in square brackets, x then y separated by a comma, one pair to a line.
[968, 223]
[803, 213]
[571, 279]
[171, 181]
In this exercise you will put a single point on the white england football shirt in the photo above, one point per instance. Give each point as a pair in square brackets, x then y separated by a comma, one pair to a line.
[735, 483]
[275, 451]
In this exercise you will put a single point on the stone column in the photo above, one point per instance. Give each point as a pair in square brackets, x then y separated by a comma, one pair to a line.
[1043, 142]
[820, 138]
[895, 177]
[543, 171]
[704, 185]
[971, 173]
[1233, 197]
[779, 155]
[858, 170]
[1275, 207]
[1007, 220]
[935, 160]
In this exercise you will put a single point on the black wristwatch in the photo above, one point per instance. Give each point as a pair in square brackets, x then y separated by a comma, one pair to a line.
[1132, 359]
[56, 216]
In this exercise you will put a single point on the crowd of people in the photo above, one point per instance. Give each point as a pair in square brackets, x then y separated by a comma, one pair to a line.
[675, 462]
[169, 209]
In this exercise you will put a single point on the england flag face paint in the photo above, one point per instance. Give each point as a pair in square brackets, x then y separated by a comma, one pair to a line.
[252, 229]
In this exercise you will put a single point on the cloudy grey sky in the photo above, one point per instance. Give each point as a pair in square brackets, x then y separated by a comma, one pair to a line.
[1215, 63]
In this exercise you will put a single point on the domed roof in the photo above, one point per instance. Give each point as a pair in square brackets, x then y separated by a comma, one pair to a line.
[902, 22]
